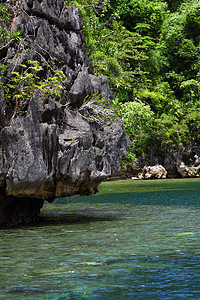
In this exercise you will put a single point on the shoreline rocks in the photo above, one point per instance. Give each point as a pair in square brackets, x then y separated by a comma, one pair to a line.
[157, 172]
[153, 172]
[188, 172]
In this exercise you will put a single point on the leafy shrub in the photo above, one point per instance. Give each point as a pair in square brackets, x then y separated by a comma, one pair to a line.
[23, 86]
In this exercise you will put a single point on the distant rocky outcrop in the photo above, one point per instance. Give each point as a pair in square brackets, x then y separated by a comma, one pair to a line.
[60, 147]
[188, 171]
[159, 172]
[153, 172]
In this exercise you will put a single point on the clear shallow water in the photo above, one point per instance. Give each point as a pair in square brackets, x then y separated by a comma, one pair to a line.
[141, 242]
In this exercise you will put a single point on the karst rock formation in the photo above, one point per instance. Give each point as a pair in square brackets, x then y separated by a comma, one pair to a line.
[59, 147]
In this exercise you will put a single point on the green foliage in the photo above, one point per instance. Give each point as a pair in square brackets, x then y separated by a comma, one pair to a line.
[174, 4]
[144, 15]
[5, 16]
[23, 86]
[95, 108]
[121, 56]
[140, 123]
[149, 50]
[155, 99]
[4, 20]
[5, 34]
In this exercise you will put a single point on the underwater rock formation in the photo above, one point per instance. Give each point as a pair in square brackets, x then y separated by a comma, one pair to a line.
[59, 147]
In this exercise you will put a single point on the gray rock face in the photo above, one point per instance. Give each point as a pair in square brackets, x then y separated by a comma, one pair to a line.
[60, 147]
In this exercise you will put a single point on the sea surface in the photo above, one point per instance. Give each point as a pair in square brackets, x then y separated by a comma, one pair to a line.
[133, 240]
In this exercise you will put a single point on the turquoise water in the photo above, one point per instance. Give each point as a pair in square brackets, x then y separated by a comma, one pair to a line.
[134, 240]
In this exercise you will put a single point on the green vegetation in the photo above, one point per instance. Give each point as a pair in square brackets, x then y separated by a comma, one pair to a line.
[4, 21]
[26, 84]
[149, 50]
[23, 84]
[6, 36]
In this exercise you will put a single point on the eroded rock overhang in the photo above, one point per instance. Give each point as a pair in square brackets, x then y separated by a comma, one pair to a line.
[60, 147]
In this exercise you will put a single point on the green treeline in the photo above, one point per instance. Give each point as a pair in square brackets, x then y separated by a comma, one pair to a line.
[150, 52]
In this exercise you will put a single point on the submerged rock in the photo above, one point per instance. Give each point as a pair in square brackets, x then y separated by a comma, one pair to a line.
[60, 147]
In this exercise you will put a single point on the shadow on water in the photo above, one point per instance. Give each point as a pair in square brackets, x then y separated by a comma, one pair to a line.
[65, 215]
[62, 216]
[117, 200]
[147, 192]
[109, 207]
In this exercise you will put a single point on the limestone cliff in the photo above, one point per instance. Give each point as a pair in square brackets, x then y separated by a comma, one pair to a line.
[59, 147]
